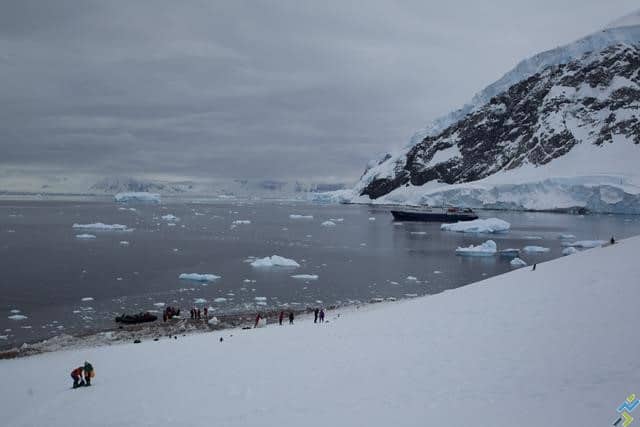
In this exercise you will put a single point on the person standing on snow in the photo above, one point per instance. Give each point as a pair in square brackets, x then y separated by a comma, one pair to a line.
[291, 318]
[257, 320]
[281, 317]
[322, 316]
[315, 315]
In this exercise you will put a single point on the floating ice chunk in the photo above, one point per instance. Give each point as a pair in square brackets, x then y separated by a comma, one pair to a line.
[101, 226]
[124, 243]
[517, 262]
[372, 218]
[510, 252]
[437, 272]
[213, 321]
[587, 243]
[14, 311]
[410, 295]
[220, 299]
[170, 217]
[137, 197]
[17, 317]
[412, 278]
[566, 236]
[532, 237]
[274, 261]
[535, 249]
[199, 301]
[336, 219]
[260, 298]
[158, 304]
[85, 236]
[4, 337]
[489, 225]
[328, 224]
[488, 248]
[569, 251]
[85, 299]
[305, 276]
[198, 277]
[296, 216]
[241, 221]
[418, 233]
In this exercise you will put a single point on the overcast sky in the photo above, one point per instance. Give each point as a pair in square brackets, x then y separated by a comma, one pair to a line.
[280, 89]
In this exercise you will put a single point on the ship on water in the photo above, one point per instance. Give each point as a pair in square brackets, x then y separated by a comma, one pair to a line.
[429, 214]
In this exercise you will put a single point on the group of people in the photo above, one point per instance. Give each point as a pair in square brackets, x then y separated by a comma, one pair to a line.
[196, 313]
[82, 375]
[318, 315]
[169, 312]
[281, 318]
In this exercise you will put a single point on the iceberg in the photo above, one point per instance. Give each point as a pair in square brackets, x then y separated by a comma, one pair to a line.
[274, 261]
[137, 197]
[535, 249]
[102, 227]
[569, 251]
[489, 225]
[328, 224]
[198, 277]
[305, 276]
[488, 248]
[517, 262]
[85, 236]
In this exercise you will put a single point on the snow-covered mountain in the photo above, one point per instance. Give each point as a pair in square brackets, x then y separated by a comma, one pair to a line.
[116, 184]
[559, 131]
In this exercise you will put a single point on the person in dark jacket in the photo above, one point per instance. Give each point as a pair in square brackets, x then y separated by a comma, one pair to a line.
[257, 320]
[88, 373]
[315, 315]
[76, 375]
[322, 316]
[281, 317]
[291, 318]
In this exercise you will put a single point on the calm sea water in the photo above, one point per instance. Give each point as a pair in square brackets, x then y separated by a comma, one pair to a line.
[46, 272]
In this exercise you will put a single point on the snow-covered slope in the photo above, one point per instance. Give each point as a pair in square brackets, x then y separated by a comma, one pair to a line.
[585, 93]
[550, 347]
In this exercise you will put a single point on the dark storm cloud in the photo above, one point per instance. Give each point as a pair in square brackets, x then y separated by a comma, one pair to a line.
[252, 89]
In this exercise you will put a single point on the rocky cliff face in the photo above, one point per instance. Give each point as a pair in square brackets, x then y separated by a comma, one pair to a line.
[591, 100]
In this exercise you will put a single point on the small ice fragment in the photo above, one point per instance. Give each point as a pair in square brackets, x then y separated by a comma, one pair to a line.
[535, 249]
[412, 278]
[199, 301]
[488, 248]
[85, 299]
[17, 317]
[328, 224]
[517, 262]
[85, 236]
[569, 251]
[274, 261]
[198, 277]
[490, 225]
[305, 276]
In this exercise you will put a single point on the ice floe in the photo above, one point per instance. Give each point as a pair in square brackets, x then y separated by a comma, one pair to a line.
[17, 317]
[587, 244]
[328, 224]
[305, 276]
[124, 243]
[137, 197]
[535, 249]
[566, 236]
[260, 298]
[569, 251]
[158, 304]
[274, 261]
[85, 236]
[85, 299]
[220, 299]
[487, 248]
[101, 226]
[198, 277]
[213, 321]
[241, 222]
[489, 225]
[170, 217]
[517, 262]
[199, 301]
[372, 218]
[296, 216]
[510, 252]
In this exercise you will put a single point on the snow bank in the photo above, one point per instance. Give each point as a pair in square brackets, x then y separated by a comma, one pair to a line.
[102, 227]
[517, 262]
[274, 261]
[85, 236]
[487, 248]
[198, 277]
[535, 249]
[137, 197]
[328, 224]
[305, 276]
[489, 225]
[481, 349]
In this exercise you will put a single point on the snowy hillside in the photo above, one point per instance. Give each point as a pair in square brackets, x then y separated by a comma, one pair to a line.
[523, 346]
[581, 97]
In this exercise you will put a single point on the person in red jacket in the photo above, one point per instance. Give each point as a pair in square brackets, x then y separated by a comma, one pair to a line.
[76, 375]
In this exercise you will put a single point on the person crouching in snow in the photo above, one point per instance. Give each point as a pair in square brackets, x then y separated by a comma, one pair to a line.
[76, 375]
[88, 373]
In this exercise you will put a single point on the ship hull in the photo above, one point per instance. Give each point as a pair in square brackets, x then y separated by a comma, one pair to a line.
[432, 216]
